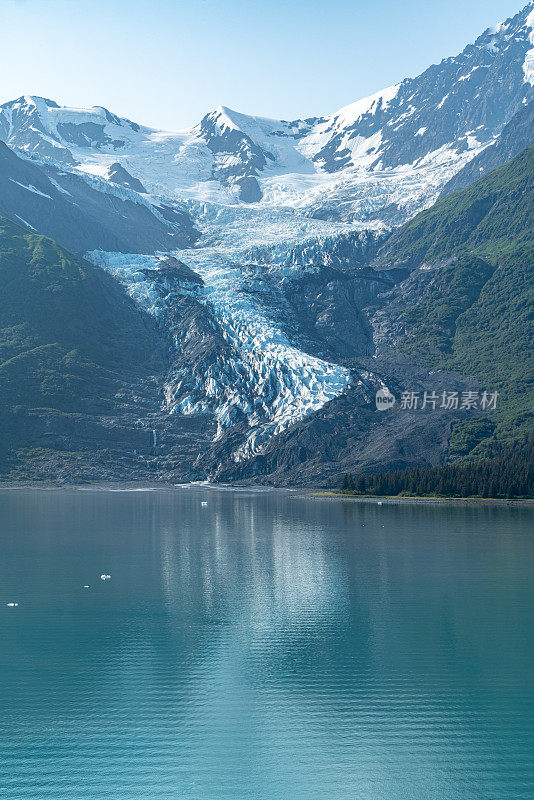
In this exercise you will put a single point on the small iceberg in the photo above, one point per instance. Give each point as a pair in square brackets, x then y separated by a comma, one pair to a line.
[105, 577]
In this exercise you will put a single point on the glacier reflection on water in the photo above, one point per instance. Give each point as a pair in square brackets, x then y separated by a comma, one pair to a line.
[266, 646]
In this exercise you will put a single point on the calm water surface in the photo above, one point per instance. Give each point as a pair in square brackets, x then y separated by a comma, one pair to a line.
[265, 647]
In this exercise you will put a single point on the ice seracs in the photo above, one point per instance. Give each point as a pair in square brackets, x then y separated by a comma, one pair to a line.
[262, 379]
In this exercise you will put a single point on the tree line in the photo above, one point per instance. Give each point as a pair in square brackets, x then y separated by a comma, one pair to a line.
[508, 474]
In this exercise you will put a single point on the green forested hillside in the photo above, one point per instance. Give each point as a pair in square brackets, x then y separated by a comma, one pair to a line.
[68, 335]
[507, 473]
[475, 312]
[493, 216]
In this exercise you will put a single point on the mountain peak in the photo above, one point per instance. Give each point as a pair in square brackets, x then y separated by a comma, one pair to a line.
[225, 117]
[31, 101]
[367, 105]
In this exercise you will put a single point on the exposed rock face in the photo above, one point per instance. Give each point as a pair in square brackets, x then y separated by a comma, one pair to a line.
[238, 159]
[84, 214]
[515, 136]
[328, 304]
[21, 122]
[249, 189]
[117, 174]
[381, 158]
[349, 435]
[172, 274]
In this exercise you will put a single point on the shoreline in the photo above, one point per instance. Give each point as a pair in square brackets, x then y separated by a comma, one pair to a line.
[300, 491]
[392, 499]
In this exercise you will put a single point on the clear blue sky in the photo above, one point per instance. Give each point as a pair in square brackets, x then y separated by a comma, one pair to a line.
[166, 62]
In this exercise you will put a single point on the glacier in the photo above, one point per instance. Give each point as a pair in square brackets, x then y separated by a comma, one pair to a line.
[274, 198]
[266, 380]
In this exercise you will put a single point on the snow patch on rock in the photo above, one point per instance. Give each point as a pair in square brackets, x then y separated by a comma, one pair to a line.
[528, 65]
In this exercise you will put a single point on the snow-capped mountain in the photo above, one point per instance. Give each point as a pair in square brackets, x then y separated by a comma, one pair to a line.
[40, 126]
[270, 199]
[457, 106]
[514, 137]
[438, 120]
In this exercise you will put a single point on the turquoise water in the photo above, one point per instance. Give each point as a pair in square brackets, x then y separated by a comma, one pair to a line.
[264, 647]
